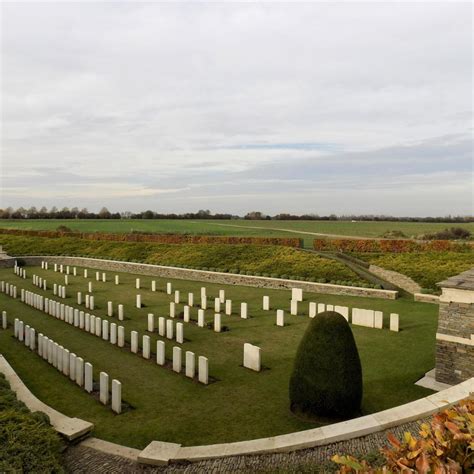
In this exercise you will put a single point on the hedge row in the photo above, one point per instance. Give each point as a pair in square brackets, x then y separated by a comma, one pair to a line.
[159, 238]
[392, 246]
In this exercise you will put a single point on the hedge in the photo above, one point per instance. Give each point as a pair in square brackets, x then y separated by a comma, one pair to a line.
[393, 246]
[159, 238]
[27, 442]
[327, 374]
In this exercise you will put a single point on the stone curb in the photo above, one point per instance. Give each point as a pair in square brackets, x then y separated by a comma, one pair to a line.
[207, 276]
[424, 298]
[71, 428]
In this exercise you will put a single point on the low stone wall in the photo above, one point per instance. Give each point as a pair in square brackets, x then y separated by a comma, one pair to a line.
[421, 297]
[397, 279]
[207, 276]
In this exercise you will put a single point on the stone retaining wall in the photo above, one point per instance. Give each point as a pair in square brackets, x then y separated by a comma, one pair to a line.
[397, 279]
[207, 276]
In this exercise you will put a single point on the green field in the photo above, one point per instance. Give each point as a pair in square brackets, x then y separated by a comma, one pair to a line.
[241, 404]
[239, 227]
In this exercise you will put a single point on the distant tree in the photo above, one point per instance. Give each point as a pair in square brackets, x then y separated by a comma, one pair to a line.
[104, 213]
[254, 216]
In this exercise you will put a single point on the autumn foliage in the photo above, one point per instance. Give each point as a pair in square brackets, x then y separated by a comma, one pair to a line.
[445, 445]
[159, 238]
[389, 245]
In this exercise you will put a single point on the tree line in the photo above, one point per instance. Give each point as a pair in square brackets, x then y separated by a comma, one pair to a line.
[104, 213]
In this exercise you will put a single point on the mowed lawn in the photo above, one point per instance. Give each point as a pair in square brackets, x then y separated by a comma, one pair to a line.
[241, 227]
[240, 404]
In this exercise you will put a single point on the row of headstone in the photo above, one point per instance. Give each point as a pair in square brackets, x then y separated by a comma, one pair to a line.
[69, 364]
[112, 333]
[59, 290]
[166, 328]
[8, 288]
[44, 265]
[20, 271]
[39, 282]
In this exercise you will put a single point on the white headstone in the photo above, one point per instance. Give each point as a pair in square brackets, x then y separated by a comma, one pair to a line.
[180, 333]
[297, 294]
[394, 322]
[228, 307]
[294, 307]
[168, 288]
[105, 330]
[104, 388]
[153, 285]
[116, 396]
[186, 317]
[190, 369]
[201, 321]
[110, 308]
[280, 318]
[169, 329]
[344, 310]
[120, 336]
[378, 319]
[139, 301]
[222, 296]
[161, 326]
[190, 299]
[134, 342]
[151, 322]
[72, 366]
[204, 302]
[113, 333]
[252, 359]
[117, 280]
[137, 283]
[146, 347]
[120, 312]
[177, 359]
[312, 310]
[172, 309]
[217, 322]
[217, 305]
[176, 296]
[266, 303]
[88, 377]
[203, 370]
[80, 371]
[160, 352]
[243, 310]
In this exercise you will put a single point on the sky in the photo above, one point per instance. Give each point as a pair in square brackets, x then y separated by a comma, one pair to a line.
[340, 107]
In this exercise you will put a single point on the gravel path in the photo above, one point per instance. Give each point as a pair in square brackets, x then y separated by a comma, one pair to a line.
[80, 459]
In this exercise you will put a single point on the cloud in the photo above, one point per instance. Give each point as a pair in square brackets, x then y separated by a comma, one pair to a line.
[274, 99]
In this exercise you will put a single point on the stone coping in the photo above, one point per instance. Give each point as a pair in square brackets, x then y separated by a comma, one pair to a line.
[159, 453]
[207, 276]
[426, 298]
[70, 428]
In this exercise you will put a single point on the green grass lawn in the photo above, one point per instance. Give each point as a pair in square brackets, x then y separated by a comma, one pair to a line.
[241, 404]
[237, 227]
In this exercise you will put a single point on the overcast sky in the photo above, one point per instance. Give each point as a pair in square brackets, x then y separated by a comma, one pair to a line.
[278, 107]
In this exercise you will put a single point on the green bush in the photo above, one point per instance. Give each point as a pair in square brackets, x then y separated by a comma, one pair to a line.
[327, 374]
[27, 442]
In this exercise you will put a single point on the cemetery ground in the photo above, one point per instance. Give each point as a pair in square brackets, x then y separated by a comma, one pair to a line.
[239, 404]
[237, 227]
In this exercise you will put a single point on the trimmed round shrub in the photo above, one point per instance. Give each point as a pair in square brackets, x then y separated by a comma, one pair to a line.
[327, 374]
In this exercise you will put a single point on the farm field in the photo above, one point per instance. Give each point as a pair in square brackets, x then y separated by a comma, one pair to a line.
[240, 404]
[239, 227]
[265, 260]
